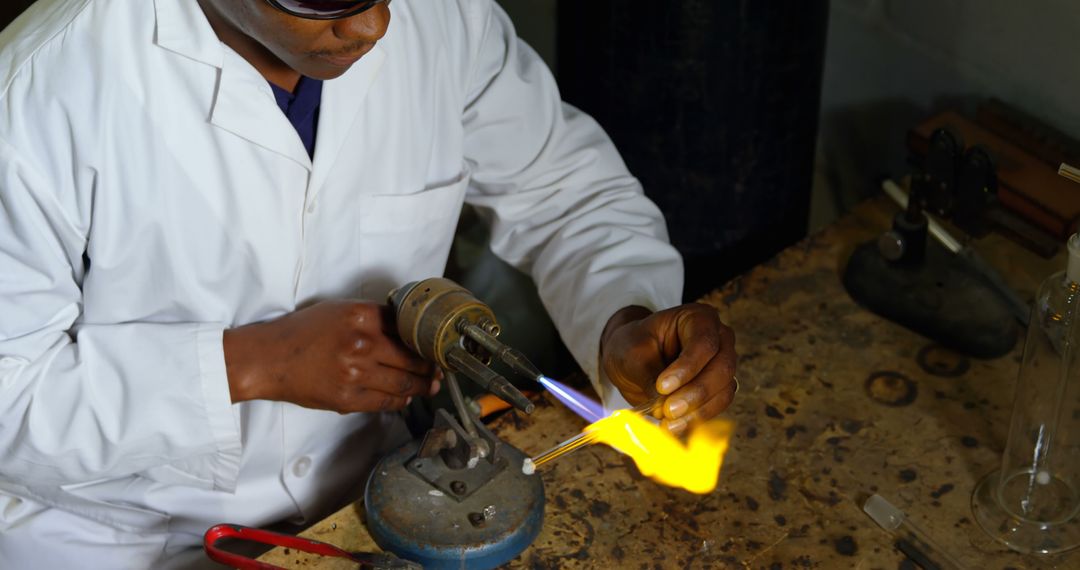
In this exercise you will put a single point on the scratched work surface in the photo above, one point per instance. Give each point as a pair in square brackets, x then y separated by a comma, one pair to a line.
[835, 404]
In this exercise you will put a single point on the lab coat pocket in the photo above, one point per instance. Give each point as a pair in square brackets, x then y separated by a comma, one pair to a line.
[173, 474]
[90, 500]
[406, 237]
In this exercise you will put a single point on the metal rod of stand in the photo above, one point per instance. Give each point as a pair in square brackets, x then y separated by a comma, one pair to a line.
[459, 402]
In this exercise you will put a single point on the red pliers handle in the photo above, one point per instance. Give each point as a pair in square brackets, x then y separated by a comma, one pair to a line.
[373, 561]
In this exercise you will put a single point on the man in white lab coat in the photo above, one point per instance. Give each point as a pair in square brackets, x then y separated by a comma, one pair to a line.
[203, 205]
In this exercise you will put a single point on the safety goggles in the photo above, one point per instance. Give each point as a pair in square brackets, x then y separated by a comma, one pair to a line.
[324, 9]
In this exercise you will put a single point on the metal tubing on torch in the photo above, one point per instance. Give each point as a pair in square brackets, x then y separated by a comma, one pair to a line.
[512, 357]
[488, 379]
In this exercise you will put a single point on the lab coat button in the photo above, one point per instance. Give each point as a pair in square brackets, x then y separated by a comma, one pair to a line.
[311, 208]
[302, 466]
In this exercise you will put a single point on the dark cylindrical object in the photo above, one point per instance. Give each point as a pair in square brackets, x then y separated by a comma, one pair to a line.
[911, 229]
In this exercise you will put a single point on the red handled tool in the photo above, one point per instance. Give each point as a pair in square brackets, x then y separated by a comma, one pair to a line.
[367, 560]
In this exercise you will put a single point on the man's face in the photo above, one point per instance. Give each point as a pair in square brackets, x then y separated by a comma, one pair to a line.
[321, 49]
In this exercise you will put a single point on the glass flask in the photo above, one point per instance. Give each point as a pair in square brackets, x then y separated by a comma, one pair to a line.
[1031, 503]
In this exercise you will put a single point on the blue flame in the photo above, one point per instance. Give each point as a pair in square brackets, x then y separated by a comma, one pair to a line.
[579, 403]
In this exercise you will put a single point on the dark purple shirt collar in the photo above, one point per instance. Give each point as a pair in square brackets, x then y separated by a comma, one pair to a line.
[302, 109]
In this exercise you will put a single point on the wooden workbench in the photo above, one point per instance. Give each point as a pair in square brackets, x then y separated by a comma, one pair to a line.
[819, 428]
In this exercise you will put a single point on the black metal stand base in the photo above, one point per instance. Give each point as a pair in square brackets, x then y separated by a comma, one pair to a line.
[939, 297]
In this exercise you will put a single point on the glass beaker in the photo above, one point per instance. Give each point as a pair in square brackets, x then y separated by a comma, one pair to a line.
[1031, 503]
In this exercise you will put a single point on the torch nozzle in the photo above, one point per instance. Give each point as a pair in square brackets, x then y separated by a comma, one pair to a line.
[505, 390]
[488, 379]
[512, 357]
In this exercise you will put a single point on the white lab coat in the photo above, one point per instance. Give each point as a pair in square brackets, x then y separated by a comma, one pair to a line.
[152, 194]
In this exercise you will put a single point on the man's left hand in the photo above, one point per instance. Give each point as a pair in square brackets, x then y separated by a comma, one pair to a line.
[684, 353]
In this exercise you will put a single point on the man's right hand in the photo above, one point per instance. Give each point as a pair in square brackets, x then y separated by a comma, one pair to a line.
[343, 356]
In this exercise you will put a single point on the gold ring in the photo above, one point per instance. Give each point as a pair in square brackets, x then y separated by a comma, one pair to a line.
[736, 381]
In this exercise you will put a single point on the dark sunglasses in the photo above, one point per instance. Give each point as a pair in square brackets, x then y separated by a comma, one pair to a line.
[324, 9]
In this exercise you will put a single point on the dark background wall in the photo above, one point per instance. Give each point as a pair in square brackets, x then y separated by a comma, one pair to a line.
[10, 9]
[892, 63]
[714, 106]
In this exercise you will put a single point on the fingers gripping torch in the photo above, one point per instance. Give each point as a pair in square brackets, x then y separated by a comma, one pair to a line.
[450, 499]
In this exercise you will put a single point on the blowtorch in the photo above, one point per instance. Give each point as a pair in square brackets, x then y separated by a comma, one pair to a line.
[450, 500]
[446, 324]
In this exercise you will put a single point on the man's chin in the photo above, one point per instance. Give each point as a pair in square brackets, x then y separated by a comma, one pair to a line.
[329, 66]
[324, 74]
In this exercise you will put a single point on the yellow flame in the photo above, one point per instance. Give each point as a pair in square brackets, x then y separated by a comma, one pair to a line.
[660, 456]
